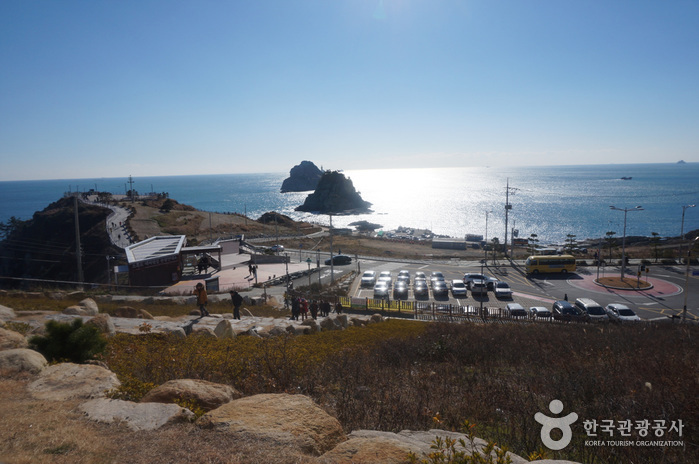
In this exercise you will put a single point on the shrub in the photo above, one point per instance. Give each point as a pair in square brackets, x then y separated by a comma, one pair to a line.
[72, 342]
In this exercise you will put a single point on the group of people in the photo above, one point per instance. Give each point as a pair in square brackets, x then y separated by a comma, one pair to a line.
[203, 300]
[301, 307]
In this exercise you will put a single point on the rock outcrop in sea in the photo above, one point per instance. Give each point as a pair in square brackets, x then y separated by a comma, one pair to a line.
[335, 194]
[302, 178]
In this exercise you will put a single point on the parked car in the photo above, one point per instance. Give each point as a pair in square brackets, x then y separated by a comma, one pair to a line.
[458, 288]
[439, 288]
[618, 312]
[536, 312]
[420, 288]
[593, 309]
[420, 275]
[515, 310]
[404, 275]
[381, 290]
[478, 287]
[386, 274]
[368, 279]
[400, 291]
[470, 277]
[277, 248]
[564, 311]
[339, 259]
[502, 290]
[436, 275]
[386, 280]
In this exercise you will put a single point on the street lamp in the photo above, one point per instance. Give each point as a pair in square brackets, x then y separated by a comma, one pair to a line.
[686, 280]
[682, 229]
[623, 240]
[485, 248]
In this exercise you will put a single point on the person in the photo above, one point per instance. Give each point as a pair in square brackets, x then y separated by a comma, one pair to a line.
[325, 308]
[237, 301]
[338, 308]
[202, 298]
[304, 309]
[295, 308]
[314, 309]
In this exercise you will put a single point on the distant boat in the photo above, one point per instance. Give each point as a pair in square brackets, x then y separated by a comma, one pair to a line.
[681, 162]
[626, 178]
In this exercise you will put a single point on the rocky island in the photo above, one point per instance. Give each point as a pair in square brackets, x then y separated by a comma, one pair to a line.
[302, 178]
[335, 194]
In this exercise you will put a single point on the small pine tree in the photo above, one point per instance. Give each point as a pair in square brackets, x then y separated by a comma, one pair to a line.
[72, 342]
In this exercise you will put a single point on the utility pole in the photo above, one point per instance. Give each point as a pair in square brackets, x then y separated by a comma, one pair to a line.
[508, 207]
[78, 248]
[131, 181]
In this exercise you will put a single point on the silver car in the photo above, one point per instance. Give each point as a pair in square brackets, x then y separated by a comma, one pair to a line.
[618, 312]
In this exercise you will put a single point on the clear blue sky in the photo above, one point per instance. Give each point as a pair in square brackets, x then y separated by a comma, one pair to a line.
[113, 88]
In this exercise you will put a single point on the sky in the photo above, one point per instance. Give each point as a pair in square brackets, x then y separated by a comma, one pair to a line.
[165, 87]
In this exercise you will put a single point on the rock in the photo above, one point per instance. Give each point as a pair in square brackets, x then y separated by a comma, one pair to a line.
[133, 313]
[21, 360]
[370, 451]
[302, 177]
[200, 331]
[330, 323]
[176, 332]
[375, 318]
[342, 320]
[104, 324]
[7, 313]
[335, 194]
[276, 331]
[358, 322]
[136, 416]
[252, 331]
[76, 310]
[224, 329]
[207, 395]
[9, 339]
[278, 419]
[66, 381]
[90, 305]
[55, 295]
[311, 324]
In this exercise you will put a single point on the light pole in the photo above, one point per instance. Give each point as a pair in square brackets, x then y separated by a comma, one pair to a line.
[623, 240]
[682, 229]
[485, 248]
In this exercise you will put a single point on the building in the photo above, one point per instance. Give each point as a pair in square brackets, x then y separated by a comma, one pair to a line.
[160, 260]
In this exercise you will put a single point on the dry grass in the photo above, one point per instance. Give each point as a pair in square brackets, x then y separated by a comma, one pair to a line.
[627, 283]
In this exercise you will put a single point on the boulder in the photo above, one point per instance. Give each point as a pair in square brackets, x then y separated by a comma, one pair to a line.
[311, 324]
[207, 395]
[176, 332]
[375, 318]
[90, 305]
[298, 330]
[67, 381]
[7, 313]
[278, 419]
[252, 331]
[21, 360]
[136, 416]
[87, 307]
[200, 331]
[330, 323]
[276, 331]
[9, 339]
[357, 322]
[104, 324]
[224, 329]
[76, 310]
[334, 193]
[133, 313]
[342, 320]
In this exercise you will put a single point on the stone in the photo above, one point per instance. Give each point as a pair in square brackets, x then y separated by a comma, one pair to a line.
[277, 419]
[176, 332]
[136, 416]
[67, 381]
[76, 310]
[90, 305]
[343, 320]
[207, 395]
[335, 194]
[21, 360]
[224, 329]
[330, 323]
[276, 331]
[311, 324]
[356, 322]
[200, 331]
[104, 324]
[375, 318]
[9, 339]
[370, 451]
[7, 313]
[133, 313]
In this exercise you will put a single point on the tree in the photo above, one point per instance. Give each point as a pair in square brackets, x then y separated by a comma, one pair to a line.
[611, 242]
[7, 228]
[72, 342]
[533, 243]
[570, 243]
[168, 205]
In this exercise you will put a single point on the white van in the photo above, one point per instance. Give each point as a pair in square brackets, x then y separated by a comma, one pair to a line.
[593, 309]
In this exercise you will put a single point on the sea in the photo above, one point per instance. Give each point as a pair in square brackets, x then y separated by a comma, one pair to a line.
[553, 202]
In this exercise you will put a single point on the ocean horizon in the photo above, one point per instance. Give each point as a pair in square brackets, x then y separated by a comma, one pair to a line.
[551, 202]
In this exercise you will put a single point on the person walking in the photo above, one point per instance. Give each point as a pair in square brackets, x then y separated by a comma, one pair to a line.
[295, 308]
[202, 298]
[237, 300]
[314, 309]
[304, 309]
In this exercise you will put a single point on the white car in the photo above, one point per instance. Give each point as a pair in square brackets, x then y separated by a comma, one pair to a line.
[515, 310]
[621, 313]
[368, 279]
[458, 288]
[539, 312]
[502, 290]
[381, 290]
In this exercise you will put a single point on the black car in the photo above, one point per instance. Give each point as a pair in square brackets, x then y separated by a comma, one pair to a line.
[400, 291]
[420, 289]
[439, 288]
[564, 311]
[339, 259]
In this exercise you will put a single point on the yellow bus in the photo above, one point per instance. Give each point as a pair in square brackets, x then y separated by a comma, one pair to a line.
[541, 264]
